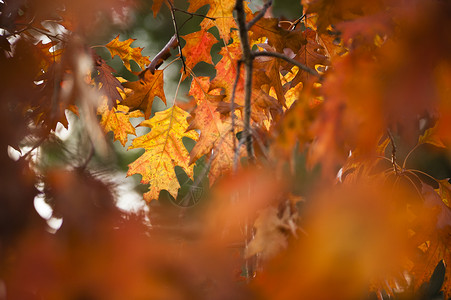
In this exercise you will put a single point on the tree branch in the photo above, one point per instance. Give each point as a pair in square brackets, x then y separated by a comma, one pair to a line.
[260, 15]
[286, 58]
[296, 23]
[247, 61]
[164, 54]
[393, 153]
[174, 21]
[232, 112]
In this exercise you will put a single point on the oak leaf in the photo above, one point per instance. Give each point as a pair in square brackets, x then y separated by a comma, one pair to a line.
[144, 91]
[276, 36]
[127, 53]
[310, 54]
[216, 140]
[164, 151]
[270, 237]
[330, 41]
[198, 47]
[48, 57]
[294, 126]
[226, 70]
[156, 6]
[331, 12]
[431, 136]
[221, 10]
[444, 190]
[117, 120]
[434, 234]
[109, 84]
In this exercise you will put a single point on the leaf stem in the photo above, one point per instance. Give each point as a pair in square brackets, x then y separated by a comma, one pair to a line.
[423, 173]
[177, 90]
[408, 155]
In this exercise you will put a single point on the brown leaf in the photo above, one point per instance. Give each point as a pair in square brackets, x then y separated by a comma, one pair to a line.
[278, 37]
[109, 84]
[310, 54]
[164, 54]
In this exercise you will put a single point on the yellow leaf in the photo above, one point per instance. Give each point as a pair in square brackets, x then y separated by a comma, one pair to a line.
[164, 151]
[221, 10]
[380, 150]
[127, 53]
[444, 191]
[432, 137]
[118, 121]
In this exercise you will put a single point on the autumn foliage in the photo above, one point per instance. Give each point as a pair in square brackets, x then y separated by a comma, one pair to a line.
[303, 165]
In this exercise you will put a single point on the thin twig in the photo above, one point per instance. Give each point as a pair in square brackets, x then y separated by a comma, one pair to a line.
[27, 26]
[47, 34]
[296, 23]
[38, 143]
[174, 22]
[286, 58]
[193, 14]
[408, 155]
[423, 173]
[259, 15]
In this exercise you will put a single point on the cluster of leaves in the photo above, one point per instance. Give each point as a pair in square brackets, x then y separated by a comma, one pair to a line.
[299, 132]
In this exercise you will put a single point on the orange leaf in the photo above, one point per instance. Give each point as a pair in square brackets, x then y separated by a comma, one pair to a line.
[48, 58]
[197, 48]
[144, 91]
[164, 151]
[156, 6]
[310, 54]
[226, 69]
[434, 235]
[127, 53]
[270, 237]
[444, 191]
[216, 134]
